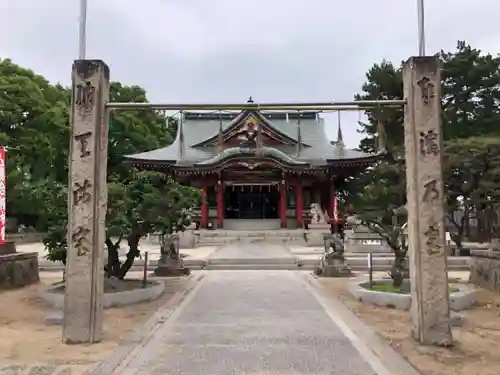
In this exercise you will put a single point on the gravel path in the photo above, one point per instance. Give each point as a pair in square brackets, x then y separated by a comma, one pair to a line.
[249, 322]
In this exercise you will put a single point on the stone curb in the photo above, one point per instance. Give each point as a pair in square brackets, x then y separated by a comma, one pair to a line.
[392, 362]
[464, 299]
[389, 300]
[128, 297]
[143, 333]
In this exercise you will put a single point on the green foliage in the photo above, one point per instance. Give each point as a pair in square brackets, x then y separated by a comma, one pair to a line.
[470, 117]
[472, 178]
[379, 197]
[34, 124]
[379, 202]
[384, 82]
[470, 89]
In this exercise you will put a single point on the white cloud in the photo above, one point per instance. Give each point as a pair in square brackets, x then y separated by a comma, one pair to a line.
[226, 50]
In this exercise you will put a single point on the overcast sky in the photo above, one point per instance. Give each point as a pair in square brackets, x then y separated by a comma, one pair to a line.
[227, 50]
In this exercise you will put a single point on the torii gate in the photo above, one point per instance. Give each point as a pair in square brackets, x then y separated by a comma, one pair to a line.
[425, 193]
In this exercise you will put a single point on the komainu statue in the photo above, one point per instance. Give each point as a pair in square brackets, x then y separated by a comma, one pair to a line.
[333, 261]
[170, 262]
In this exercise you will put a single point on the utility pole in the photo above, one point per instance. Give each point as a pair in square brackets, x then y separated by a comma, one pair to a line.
[82, 32]
[421, 27]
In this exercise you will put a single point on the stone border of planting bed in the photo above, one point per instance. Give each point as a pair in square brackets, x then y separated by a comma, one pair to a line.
[463, 299]
[153, 290]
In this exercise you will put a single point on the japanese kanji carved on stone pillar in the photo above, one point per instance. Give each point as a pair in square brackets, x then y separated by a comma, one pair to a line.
[424, 176]
[87, 201]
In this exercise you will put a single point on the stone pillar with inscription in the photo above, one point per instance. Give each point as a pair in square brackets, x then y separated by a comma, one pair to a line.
[87, 201]
[425, 193]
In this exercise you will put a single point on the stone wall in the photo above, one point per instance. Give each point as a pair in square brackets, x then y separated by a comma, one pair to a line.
[485, 272]
[17, 269]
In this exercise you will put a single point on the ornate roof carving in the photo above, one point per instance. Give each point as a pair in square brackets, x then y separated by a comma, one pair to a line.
[268, 152]
[245, 128]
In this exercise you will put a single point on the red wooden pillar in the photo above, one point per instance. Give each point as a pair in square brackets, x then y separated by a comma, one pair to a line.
[283, 203]
[220, 204]
[204, 207]
[298, 202]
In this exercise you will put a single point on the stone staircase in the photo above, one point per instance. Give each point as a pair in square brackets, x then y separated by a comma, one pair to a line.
[222, 237]
[289, 263]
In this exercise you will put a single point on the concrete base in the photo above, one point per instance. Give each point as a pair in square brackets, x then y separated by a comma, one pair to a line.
[153, 291]
[54, 319]
[390, 300]
[171, 267]
[8, 247]
[456, 320]
[463, 299]
[336, 271]
[333, 267]
[17, 269]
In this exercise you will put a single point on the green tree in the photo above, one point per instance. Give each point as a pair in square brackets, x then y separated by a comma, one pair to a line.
[148, 203]
[135, 131]
[384, 82]
[472, 179]
[378, 198]
[138, 202]
[470, 89]
[33, 125]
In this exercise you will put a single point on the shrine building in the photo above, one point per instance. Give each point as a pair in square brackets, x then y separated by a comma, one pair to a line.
[257, 169]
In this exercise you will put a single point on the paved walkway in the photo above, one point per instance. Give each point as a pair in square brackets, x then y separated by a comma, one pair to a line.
[249, 322]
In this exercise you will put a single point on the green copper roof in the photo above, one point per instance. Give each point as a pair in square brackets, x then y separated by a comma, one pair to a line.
[317, 149]
[264, 151]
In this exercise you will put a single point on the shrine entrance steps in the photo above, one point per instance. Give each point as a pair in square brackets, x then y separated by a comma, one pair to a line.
[252, 224]
[222, 237]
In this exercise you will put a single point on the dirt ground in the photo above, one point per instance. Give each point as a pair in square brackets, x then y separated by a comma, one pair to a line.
[27, 340]
[477, 347]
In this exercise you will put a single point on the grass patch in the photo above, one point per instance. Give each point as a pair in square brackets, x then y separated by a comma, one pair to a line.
[403, 289]
[389, 288]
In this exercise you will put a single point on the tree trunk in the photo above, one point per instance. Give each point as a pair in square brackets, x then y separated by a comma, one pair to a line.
[399, 269]
[113, 265]
[133, 252]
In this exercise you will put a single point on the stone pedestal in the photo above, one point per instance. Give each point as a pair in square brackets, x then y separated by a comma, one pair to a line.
[335, 267]
[426, 231]
[485, 271]
[171, 267]
[333, 262]
[8, 247]
[18, 269]
[87, 201]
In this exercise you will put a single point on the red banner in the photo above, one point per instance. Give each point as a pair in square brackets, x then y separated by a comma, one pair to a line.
[336, 217]
[2, 195]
